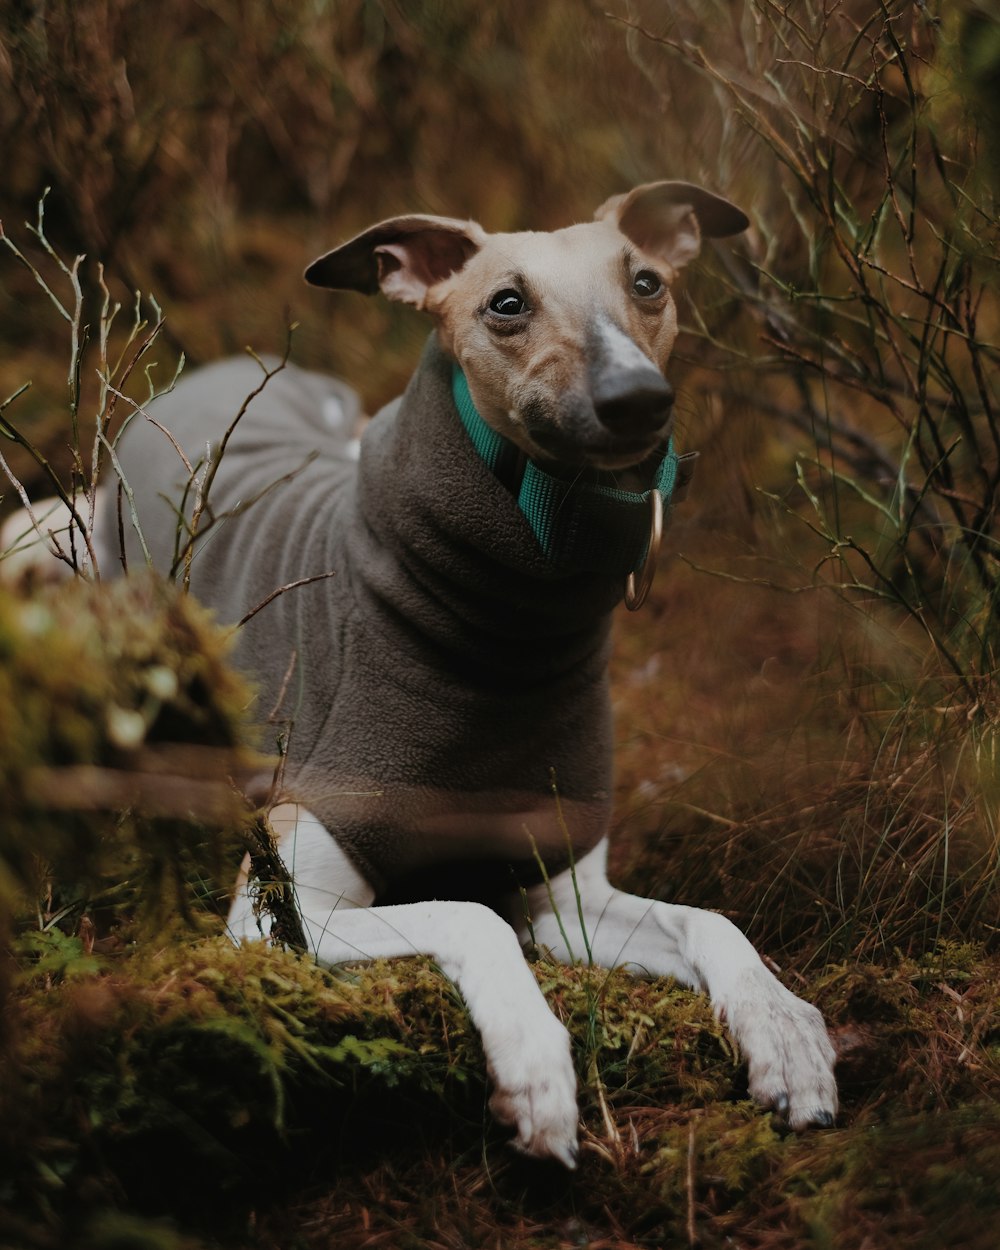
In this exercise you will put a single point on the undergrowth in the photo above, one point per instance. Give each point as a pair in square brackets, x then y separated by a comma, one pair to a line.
[214, 1086]
[122, 738]
[807, 710]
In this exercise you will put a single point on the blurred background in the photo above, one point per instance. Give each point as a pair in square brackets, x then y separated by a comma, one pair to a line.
[811, 692]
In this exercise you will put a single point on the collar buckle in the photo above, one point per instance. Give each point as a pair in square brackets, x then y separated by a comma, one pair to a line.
[638, 582]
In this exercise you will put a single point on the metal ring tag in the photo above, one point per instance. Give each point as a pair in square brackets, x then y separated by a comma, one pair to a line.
[637, 588]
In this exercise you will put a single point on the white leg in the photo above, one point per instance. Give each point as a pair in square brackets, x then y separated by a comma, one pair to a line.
[527, 1049]
[326, 881]
[26, 545]
[784, 1039]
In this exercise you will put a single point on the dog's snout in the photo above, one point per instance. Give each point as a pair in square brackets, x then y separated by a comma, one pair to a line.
[635, 401]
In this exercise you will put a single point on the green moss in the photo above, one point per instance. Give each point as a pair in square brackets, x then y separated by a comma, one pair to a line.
[116, 1230]
[121, 724]
[719, 1152]
[198, 1055]
[636, 1034]
[174, 1066]
[924, 1182]
[194, 1061]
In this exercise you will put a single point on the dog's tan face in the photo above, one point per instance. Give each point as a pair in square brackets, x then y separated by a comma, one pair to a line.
[536, 320]
[563, 337]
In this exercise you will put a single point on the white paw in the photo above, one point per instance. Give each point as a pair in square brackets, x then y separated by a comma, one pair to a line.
[788, 1051]
[535, 1091]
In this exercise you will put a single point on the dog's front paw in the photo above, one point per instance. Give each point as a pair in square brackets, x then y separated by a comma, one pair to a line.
[535, 1092]
[788, 1051]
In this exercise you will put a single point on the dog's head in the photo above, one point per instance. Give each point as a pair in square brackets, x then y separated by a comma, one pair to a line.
[563, 336]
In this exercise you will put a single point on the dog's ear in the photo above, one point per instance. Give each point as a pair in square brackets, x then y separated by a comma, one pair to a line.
[404, 257]
[669, 219]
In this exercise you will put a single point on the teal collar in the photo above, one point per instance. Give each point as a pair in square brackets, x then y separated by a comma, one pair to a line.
[580, 525]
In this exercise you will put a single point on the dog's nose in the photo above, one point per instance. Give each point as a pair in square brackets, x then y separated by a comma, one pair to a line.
[633, 401]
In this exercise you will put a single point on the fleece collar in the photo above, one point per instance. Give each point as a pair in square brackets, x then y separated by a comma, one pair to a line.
[580, 525]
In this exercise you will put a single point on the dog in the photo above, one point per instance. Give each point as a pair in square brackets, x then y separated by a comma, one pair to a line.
[439, 660]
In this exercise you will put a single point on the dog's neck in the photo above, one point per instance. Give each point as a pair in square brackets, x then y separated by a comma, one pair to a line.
[583, 520]
[451, 556]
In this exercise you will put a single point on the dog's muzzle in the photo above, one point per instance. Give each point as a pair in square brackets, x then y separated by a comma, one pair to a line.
[633, 403]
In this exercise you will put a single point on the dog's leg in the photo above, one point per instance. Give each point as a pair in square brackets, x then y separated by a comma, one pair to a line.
[579, 915]
[29, 541]
[325, 879]
[527, 1049]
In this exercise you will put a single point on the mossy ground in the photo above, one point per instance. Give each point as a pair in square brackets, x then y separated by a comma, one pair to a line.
[249, 1099]
[165, 1090]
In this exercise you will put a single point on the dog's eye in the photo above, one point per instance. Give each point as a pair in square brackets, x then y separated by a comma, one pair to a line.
[508, 303]
[646, 284]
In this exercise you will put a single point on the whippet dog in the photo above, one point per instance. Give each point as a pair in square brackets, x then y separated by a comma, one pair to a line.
[442, 683]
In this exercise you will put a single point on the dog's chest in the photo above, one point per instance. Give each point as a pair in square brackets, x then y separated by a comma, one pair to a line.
[399, 834]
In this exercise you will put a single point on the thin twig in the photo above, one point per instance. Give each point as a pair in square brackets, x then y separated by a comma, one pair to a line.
[302, 581]
[692, 1232]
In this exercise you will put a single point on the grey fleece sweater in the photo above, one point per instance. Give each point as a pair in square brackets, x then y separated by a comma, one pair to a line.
[446, 674]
